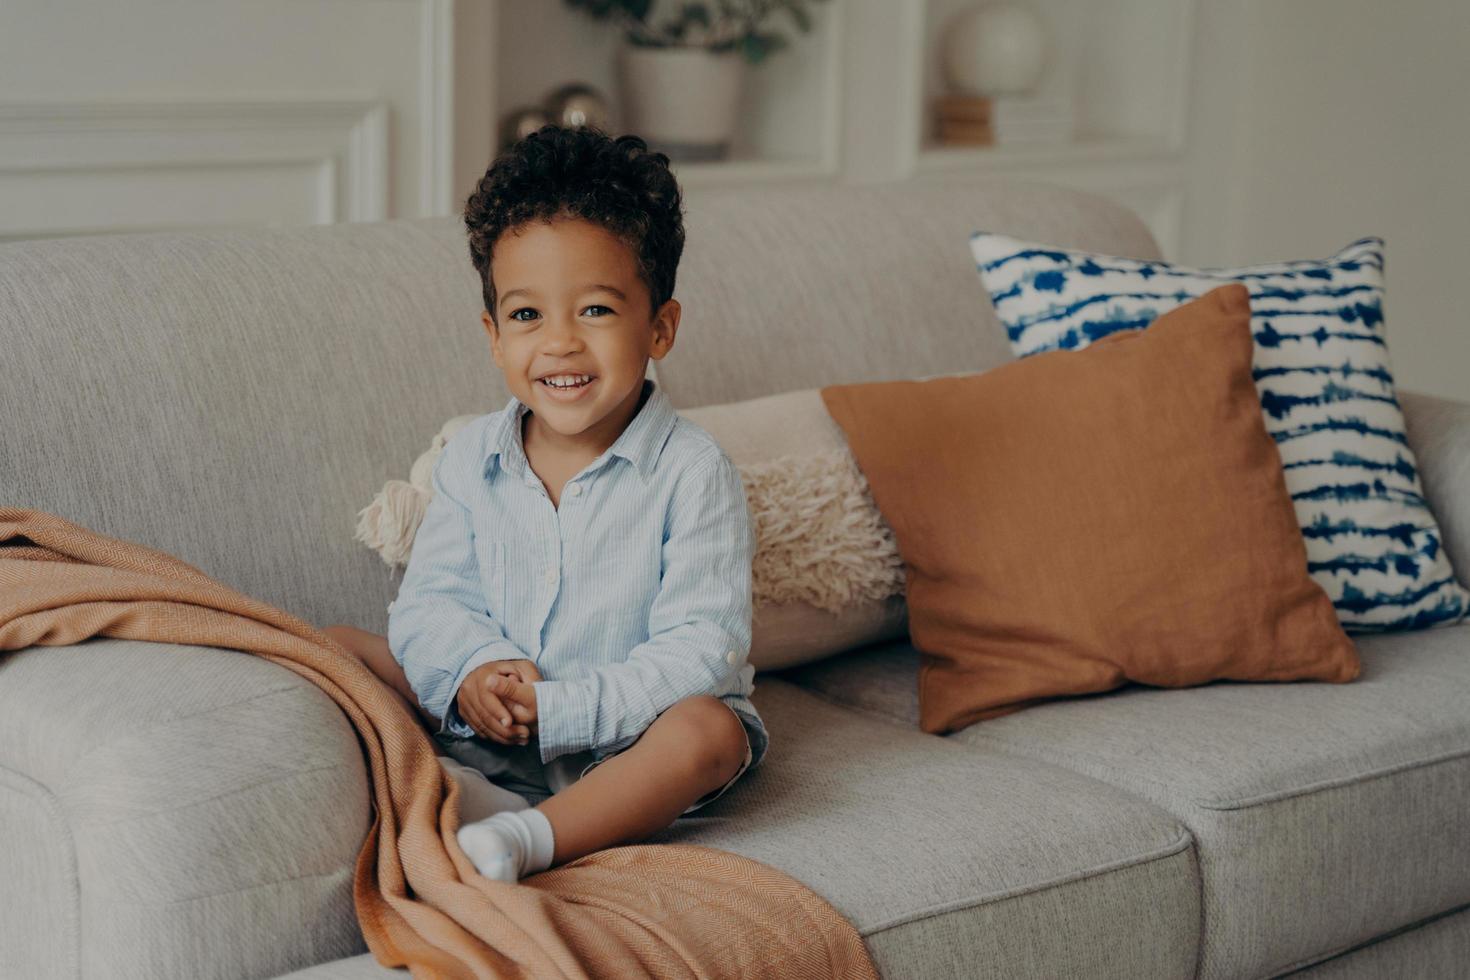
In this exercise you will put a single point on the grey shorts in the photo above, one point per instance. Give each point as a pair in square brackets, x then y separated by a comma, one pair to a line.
[519, 769]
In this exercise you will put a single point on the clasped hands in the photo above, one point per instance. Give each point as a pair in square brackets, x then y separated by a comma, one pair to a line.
[498, 701]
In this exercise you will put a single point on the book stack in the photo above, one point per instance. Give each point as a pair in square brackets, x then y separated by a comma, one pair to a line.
[1009, 120]
[963, 120]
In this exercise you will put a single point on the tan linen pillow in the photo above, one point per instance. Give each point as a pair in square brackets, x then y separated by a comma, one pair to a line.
[826, 575]
[1080, 519]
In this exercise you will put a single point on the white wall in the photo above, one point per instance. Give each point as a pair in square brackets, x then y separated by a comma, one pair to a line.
[1322, 121]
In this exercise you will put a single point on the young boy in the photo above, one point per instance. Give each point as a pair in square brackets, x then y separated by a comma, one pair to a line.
[575, 615]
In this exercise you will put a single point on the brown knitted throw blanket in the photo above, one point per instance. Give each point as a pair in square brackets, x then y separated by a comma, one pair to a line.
[666, 910]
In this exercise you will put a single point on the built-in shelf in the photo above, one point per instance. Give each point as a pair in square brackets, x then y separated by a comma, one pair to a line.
[748, 171]
[853, 100]
[935, 157]
[1124, 66]
[790, 110]
[1121, 64]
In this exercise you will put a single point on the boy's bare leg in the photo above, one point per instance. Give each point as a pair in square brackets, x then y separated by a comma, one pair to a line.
[691, 749]
[372, 649]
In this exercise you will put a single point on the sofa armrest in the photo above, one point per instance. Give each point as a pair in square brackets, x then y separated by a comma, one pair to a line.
[173, 811]
[1439, 434]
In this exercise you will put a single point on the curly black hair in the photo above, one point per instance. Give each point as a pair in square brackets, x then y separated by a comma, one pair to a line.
[582, 172]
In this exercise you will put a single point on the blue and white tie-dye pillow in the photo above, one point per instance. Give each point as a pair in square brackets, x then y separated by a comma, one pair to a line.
[1322, 369]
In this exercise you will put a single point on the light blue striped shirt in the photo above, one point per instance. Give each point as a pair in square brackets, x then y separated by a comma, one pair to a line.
[631, 595]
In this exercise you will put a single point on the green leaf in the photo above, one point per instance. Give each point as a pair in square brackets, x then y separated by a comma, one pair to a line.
[756, 47]
[799, 15]
[602, 9]
[696, 13]
[752, 49]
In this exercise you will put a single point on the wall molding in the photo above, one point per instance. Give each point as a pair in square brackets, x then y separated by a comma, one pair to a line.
[436, 107]
[347, 139]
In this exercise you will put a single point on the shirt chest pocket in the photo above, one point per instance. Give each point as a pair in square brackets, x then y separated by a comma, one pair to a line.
[490, 555]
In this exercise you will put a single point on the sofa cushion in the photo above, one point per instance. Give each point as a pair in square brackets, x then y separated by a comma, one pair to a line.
[827, 574]
[1327, 391]
[952, 862]
[203, 809]
[1434, 950]
[1078, 519]
[1325, 815]
[790, 288]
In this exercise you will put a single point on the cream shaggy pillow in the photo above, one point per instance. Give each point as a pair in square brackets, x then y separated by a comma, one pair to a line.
[827, 575]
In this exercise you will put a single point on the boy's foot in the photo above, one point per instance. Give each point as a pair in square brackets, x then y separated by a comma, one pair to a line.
[478, 796]
[509, 845]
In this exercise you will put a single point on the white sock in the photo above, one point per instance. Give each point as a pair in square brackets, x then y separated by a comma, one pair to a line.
[478, 796]
[509, 845]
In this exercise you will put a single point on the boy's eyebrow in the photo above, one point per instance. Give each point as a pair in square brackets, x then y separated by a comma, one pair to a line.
[589, 288]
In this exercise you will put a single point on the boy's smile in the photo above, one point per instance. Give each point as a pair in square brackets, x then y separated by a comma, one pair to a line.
[573, 330]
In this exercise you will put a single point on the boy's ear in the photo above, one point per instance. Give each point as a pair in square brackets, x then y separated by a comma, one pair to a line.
[494, 333]
[665, 326]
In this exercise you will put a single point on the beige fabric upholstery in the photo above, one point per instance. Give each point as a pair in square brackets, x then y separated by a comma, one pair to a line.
[761, 435]
[1434, 950]
[806, 286]
[277, 378]
[1295, 793]
[240, 394]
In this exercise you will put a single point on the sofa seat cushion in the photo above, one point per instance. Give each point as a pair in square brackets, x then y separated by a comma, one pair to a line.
[950, 862]
[1324, 814]
[1433, 950]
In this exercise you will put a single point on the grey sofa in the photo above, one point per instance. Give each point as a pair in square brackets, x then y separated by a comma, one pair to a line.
[235, 396]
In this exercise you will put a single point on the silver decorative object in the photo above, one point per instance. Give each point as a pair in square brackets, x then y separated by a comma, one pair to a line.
[576, 105]
[522, 122]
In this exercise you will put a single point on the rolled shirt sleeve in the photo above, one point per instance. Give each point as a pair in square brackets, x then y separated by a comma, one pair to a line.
[439, 630]
[699, 624]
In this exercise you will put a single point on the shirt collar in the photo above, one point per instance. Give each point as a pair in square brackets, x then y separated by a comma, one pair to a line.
[640, 443]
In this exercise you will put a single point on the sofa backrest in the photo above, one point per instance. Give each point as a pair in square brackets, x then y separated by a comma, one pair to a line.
[235, 396]
[799, 287]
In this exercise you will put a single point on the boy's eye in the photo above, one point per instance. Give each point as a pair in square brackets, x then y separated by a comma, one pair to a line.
[526, 309]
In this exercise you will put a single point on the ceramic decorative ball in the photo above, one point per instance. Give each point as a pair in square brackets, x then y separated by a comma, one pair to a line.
[994, 49]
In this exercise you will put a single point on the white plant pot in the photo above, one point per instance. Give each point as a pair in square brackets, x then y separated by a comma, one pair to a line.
[683, 101]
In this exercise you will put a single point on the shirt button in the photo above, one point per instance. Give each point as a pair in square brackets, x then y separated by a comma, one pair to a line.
[732, 658]
[550, 576]
[575, 489]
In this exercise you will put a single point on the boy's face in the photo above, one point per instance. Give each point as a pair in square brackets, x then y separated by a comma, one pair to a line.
[570, 302]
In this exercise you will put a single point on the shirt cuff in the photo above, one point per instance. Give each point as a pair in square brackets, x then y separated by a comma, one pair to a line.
[563, 719]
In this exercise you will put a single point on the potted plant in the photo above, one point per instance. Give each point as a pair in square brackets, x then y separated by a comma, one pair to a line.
[682, 71]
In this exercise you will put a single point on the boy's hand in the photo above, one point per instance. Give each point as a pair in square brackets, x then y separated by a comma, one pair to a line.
[498, 701]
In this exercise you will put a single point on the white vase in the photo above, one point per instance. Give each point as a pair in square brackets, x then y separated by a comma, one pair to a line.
[684, 101]
[994, 49]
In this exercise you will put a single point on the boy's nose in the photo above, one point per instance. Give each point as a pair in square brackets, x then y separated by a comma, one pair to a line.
[562, 335]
